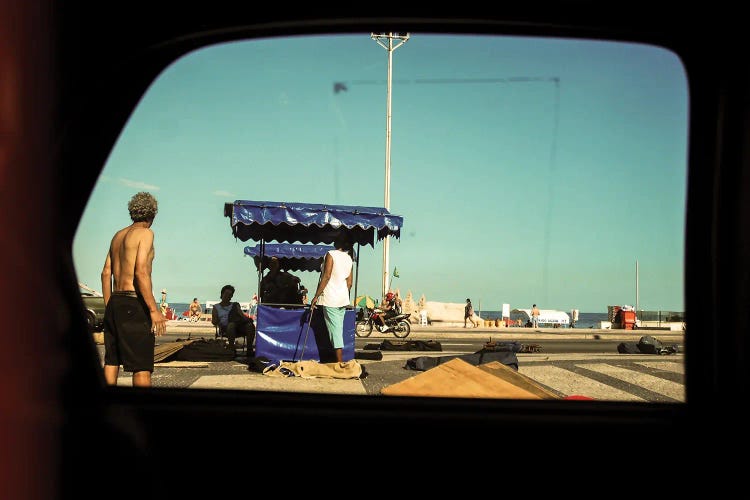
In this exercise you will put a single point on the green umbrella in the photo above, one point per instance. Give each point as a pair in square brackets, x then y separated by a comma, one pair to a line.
[364, 301]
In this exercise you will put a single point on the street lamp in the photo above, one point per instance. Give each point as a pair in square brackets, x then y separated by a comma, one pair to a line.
[390, 42]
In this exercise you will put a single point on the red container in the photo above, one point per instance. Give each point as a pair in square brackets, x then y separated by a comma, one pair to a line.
[628, 319]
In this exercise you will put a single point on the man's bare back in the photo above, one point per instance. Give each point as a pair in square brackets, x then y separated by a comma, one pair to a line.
[128, 266]
[123, 251]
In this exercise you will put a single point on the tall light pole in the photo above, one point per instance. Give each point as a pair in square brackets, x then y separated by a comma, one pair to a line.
[636, 286]
[390, 42]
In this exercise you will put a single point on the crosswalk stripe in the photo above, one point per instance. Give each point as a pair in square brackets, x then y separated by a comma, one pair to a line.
[667, 366]
[644, 380]
[569, 383]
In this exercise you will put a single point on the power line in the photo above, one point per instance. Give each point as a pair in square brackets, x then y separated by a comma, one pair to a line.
[340, 86]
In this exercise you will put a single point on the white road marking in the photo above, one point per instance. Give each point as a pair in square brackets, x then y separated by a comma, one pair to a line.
[644, 380]
[570, 383]
[667, 366]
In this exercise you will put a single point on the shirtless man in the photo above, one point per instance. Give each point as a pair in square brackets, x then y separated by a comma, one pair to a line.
[131, 317]
[195, 310]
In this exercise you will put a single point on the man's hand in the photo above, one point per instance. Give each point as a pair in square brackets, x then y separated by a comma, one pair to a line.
[314, 301]
[158, 323]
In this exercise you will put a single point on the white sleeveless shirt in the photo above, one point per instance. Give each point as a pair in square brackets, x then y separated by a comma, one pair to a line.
[336, 293]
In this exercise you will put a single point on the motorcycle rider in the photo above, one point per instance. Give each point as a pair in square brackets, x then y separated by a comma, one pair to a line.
[390, 307]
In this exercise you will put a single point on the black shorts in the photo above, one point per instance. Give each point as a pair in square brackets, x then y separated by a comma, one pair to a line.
[128, 339]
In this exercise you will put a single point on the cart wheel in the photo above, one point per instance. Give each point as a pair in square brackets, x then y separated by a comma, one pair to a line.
[402, 329]
[363, 328]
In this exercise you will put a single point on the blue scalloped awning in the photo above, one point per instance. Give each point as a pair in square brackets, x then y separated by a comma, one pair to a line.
[310, 222]
[292, 256]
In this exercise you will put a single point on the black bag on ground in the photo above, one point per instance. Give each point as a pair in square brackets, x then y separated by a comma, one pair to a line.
[628, 348]
[649, 345]
[258, 364]
[377, 355]
[205, 350]
[410, 345]
[512, 346]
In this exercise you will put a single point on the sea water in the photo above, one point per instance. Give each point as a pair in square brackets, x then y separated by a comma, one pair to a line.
[180, 307]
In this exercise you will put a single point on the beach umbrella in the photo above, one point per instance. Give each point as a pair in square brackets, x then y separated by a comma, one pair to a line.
[364, 301]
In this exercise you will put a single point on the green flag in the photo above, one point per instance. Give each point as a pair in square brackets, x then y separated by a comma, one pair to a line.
[395, 272]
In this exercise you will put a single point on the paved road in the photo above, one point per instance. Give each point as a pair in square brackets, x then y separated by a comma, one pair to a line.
[609, 376]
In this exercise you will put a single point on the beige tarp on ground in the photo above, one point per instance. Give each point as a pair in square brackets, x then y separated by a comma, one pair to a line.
[314, 369]
[459, 379]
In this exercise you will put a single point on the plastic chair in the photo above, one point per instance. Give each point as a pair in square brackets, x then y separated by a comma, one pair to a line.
[221, 333]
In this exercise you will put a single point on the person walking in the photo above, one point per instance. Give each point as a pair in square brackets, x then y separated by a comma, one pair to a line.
[469, 314]
[132, 318]
[332, 294]
[534, 316]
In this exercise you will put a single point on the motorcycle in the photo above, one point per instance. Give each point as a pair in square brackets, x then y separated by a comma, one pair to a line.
[367, 321]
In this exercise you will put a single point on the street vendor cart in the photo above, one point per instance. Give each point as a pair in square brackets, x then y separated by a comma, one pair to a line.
[294, 332]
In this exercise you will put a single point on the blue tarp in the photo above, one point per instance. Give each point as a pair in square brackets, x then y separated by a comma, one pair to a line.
[292, 257]
[282, 335]
[310, 222]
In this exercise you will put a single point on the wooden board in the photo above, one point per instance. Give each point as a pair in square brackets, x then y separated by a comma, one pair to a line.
[508, 374]
[164, 351]
[458, 379]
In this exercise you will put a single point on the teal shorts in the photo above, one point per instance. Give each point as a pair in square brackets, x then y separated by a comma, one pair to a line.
[334, 318]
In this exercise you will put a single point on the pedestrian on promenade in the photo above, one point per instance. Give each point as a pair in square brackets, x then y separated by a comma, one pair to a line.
[132, 318]
[534, 316]
[333, 291]
[469, 314]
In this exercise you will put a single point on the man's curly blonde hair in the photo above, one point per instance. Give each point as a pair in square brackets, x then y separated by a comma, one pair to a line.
[143, 207]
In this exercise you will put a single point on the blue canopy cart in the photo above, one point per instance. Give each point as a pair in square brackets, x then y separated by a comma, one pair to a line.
[291, 256]
[293, 332]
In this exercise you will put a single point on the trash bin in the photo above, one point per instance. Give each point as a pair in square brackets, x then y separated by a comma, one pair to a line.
[628, 319]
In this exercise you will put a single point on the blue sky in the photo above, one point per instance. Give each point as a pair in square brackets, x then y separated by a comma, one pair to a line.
[526, 170]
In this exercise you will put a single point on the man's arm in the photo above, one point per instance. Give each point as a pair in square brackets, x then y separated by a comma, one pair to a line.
[238, 313]
[107, 278]
[143, 280]
[214, 316]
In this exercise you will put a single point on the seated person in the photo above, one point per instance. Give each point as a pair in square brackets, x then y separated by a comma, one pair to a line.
[279, 287]
[230, 319]
[195, 310]
[390, 307]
